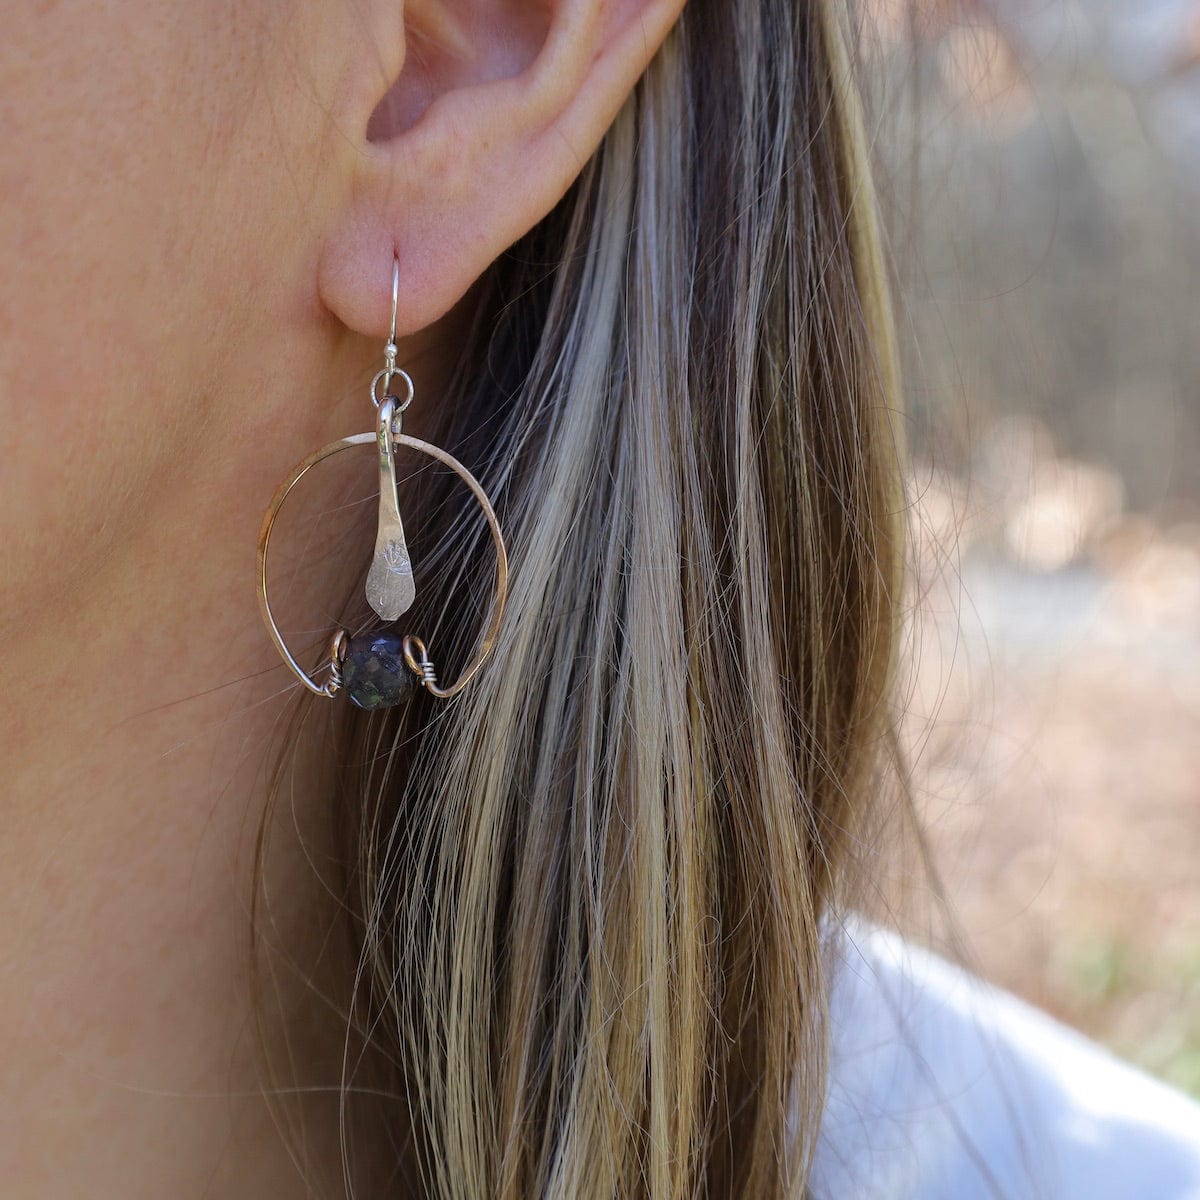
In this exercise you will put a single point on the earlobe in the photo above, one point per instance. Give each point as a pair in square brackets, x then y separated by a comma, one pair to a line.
[492, 116]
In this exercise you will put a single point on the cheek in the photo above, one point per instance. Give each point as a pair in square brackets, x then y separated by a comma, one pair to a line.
[108, 132]
[133, 177]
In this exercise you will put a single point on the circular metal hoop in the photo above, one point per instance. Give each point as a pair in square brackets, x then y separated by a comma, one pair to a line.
[333, 683]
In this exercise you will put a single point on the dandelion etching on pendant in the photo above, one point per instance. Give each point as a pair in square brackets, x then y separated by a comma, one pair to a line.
[396, 559]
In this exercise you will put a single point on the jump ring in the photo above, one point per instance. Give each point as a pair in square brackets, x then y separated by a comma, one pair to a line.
[386, 375]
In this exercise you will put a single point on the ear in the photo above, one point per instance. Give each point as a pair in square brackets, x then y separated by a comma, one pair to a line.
[484, 114]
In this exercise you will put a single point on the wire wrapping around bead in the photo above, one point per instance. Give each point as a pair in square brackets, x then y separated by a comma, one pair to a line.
[419, 661]
[337, 651]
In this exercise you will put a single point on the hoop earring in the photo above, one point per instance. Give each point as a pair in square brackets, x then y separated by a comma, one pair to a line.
[377, 670]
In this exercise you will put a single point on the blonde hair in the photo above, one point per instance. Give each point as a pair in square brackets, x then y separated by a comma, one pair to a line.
[588, 892]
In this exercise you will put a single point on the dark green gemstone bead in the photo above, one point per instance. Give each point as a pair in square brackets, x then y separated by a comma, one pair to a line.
[374, 673]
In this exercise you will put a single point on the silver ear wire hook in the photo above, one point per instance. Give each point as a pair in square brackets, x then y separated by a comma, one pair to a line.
[390, 350]
[381, 384]
[395, 297]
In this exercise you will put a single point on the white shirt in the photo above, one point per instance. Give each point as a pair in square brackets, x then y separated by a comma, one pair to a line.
[943, 1088]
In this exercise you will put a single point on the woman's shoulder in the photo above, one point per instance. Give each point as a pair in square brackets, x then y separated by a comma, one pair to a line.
[943, 1088]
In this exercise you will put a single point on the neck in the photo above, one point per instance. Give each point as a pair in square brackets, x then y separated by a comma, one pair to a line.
[132, 801]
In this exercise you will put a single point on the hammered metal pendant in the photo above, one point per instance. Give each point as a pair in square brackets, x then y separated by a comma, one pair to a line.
[390, 586]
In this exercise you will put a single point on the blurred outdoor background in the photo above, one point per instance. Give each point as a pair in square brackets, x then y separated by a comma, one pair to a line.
[1043, 189]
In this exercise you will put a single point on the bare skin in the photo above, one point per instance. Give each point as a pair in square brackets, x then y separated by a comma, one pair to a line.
[199, 205]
